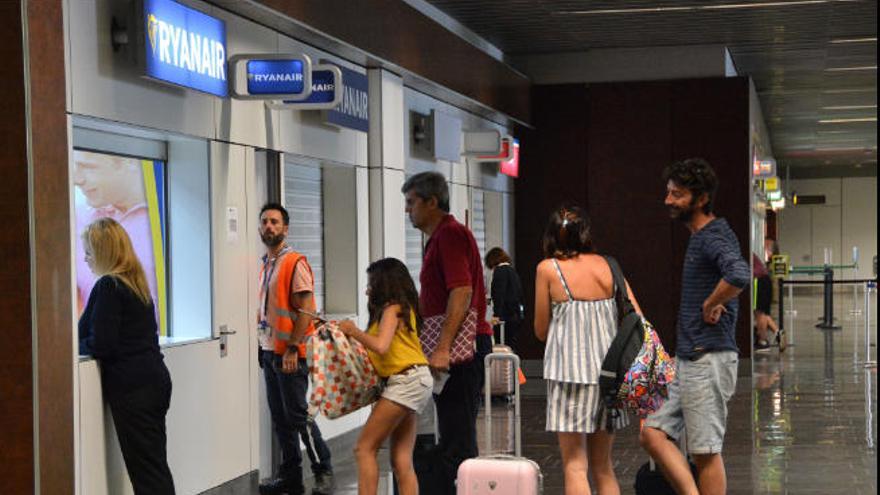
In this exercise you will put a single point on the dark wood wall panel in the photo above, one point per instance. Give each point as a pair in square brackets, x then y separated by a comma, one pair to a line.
[629, 140]
[51, 201]
[16, 364]
[552, 155]
[42, 265]
[711, 120]
[625, 137]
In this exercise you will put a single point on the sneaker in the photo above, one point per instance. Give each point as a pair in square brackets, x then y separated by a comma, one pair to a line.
[324, 484]
[281, 486]
[761, 345]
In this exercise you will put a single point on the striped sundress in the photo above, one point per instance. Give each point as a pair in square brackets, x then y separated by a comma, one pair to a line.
[579, 335]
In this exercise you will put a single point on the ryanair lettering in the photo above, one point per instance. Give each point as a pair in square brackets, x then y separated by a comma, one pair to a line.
[190, 51]
[280, 77]
[354, 103]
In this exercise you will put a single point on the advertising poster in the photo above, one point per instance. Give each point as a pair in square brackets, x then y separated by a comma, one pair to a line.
[132, 192]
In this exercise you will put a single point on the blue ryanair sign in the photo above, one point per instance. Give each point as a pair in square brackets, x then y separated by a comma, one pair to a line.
[271, 77]
[185, 47]
[353, 110]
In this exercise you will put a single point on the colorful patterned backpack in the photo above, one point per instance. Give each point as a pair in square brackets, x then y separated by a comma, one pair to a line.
[636, 370]
[343, 377]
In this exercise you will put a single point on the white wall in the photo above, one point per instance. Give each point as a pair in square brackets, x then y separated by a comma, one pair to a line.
[465, 175]
[848, 218]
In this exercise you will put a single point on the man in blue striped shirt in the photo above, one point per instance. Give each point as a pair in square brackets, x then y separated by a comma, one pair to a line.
[714, 274]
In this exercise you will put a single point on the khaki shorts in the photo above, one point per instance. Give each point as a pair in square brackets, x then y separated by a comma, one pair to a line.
[410, 388]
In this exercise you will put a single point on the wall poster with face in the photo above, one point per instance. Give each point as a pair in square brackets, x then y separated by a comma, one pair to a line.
[132, 192]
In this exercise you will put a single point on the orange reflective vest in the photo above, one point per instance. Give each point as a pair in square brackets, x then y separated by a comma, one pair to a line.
[280, 312]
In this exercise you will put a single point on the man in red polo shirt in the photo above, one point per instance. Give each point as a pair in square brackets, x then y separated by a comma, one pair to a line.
[452, 284]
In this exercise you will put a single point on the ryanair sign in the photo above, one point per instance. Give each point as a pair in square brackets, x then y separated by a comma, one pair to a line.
[270, 76]
[326, 91]
[185, 47]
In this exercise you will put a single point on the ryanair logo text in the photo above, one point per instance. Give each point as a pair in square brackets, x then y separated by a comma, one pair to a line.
[174, 45]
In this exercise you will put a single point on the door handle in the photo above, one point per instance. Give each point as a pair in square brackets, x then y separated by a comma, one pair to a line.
[225, 332]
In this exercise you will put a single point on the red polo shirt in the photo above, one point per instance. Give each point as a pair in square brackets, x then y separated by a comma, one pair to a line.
[452, 260]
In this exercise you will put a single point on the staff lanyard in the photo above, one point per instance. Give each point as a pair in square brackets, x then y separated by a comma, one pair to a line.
[267, 278]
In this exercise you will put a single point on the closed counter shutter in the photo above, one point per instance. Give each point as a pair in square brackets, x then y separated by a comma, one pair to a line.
[414, 252]
[478, 220]
[303, 200]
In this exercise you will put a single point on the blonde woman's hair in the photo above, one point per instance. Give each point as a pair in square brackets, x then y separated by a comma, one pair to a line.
[112, 254]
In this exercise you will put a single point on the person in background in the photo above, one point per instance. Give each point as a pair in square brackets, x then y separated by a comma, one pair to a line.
[118, 327]
[764, 323]
[392, 342]
[451, 285]
[286, 286]
[706, 357]
[506, 296]
[576, 314]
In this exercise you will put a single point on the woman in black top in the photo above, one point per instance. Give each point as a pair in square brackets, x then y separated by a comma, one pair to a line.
[506, 296]
[118, 328]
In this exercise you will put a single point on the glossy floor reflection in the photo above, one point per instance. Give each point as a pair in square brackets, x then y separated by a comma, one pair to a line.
[805, 424]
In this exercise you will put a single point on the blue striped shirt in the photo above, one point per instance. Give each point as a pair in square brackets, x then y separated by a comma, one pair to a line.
[713, 254]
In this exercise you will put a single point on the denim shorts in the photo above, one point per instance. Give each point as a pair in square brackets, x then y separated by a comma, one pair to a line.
[411, 388]
[697, 401]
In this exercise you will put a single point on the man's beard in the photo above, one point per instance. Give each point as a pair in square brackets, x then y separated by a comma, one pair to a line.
[272, 241]
[683, 215]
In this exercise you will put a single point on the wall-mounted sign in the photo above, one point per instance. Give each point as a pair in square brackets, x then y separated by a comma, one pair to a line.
[763, 168]
[779, 265]
[506, 153]
[511, 167]
[771, 184]
[482, 143]
[183, 46]
[326, 91]
[353, 111]
[270, 76]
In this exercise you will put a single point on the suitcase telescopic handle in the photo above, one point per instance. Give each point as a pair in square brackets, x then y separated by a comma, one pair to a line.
[517, 435]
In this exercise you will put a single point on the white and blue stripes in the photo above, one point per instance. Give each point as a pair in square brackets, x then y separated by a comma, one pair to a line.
[578, 338]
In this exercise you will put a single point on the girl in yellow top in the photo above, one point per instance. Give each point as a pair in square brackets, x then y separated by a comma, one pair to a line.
[392, 341]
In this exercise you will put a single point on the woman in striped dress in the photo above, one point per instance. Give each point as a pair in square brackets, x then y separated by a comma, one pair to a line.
[576, 315]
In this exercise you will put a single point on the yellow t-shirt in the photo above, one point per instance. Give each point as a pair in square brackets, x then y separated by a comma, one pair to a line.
[405, 350]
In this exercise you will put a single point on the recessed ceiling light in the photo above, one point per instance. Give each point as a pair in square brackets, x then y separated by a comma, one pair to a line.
[849, 107]
[849, 90]
[693, 8]
[846, 69]
[854, 40]
[847, 121]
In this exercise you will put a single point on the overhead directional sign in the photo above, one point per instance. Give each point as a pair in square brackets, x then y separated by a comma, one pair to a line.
[270, 76]
[326, 93]
[183, 46]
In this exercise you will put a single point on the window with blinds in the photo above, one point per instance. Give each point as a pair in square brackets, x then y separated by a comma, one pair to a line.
[303, 199]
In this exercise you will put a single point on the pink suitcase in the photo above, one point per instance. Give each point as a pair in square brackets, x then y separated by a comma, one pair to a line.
[497, 474]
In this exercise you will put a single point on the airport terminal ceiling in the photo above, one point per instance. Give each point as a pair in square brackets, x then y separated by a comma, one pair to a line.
[814, 62]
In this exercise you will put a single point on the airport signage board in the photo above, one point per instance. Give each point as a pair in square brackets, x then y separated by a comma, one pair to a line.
[326, 91]
[353, 110]
[511, 167]
[184, 46]
[270, 76]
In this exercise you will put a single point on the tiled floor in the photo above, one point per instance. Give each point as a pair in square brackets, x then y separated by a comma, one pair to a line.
[805, 423]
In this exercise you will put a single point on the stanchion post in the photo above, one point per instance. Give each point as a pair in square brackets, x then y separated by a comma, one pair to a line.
[869, 288]
[828, 310]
